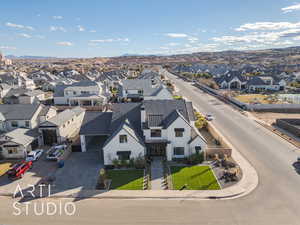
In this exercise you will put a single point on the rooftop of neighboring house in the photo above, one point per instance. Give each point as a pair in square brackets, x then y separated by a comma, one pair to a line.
[5, 86]
[33, 93]
[15, 92]
[62, 117]
[18, 111]
[45, 110]
[82, 85]
[140, 84]
[164, 112]
[230, 76]
[20, 136]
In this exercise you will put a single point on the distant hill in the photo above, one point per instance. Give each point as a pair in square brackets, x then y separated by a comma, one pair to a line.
[29, 57]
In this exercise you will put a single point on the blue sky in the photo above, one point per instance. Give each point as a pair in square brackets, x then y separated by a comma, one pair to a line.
[91, 28]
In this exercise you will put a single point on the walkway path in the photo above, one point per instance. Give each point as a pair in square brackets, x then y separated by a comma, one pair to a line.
[157, 174]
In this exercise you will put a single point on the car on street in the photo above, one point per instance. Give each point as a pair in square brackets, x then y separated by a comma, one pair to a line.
[34, 155]
[209, 117]
[18, 170]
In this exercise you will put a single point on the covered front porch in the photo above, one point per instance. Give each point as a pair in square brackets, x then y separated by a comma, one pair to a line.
[85, 101]
[156, 148]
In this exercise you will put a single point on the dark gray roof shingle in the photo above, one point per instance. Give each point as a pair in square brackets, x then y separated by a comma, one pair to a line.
[18, 111]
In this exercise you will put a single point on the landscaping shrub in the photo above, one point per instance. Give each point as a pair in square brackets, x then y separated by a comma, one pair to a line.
[116, 163]
[140, 162]
[201, 122]
[196, 158]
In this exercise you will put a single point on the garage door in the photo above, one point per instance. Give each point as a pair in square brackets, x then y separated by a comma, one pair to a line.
[49, 137]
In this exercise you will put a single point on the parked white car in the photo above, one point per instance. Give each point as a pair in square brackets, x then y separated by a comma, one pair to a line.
[209, 117]
[34, 155]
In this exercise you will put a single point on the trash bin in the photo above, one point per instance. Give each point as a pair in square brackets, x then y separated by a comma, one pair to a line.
[61, 164]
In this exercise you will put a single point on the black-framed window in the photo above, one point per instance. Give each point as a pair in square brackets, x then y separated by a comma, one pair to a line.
[179, 151]
[124, 155]
[14, 123]
[179, 132]
[27, 124]
[123, 138]
[198, 149]
[155, 133]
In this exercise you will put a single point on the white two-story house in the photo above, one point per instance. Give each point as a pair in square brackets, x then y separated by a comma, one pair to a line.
[14, 116]
[152, 128]
[143, 89]
[83, 93]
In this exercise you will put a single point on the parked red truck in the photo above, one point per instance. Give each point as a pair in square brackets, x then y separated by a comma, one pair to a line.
[18, 170]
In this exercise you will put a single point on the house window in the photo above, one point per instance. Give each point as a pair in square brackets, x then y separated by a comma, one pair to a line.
[179, 132]
[123, 138]
[74, 93]
[124, 155]
[179, 151]
[14, 123]
[156, 133]
[27, 124]
[140, 92]
[198, 149]
[12, 151]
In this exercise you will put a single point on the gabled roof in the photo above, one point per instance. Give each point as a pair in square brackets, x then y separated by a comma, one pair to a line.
[62, 117]
[18, 111]
[140, 84]
[96, 123]
[86, 84]
[230, 76]
[20, 136]
[128, 127]
[256, 81]
[163, 112]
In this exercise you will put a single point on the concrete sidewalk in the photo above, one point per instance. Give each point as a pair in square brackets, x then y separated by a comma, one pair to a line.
[157, 173]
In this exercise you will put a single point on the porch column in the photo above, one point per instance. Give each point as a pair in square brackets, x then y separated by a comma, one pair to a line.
[82, 142]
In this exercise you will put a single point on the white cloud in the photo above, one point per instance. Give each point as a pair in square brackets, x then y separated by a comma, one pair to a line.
[176, 35]
[93, 31]
[64, 43]
[80, 28]
[25, 35]
[40, 36]
[57, 17]
[268, 26]
[173, 44]
[291, 8]
[263, 37]
[8, 47]
[18, 26]
[110, 40]
[54, 28]
[296, 38]
[193, 39]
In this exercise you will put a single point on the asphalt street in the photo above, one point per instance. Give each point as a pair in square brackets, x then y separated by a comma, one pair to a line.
[275, 201]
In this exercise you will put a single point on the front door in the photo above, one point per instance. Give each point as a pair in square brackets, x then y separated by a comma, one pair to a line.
[157, 150]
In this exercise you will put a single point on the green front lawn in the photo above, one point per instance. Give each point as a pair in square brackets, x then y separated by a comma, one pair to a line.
[126, 179]
[195, 177]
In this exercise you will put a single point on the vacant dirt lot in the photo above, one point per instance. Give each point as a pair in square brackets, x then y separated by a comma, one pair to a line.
[271, 117]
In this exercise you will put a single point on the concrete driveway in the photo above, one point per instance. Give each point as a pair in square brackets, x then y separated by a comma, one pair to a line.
[41, 168]
[80, 171]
